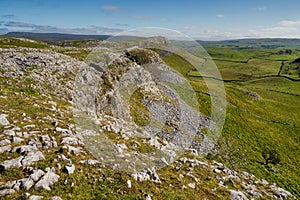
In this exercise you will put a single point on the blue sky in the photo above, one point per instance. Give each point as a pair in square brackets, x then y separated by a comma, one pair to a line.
[200, 19]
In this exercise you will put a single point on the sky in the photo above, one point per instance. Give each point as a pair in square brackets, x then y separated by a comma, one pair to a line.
[199, 19]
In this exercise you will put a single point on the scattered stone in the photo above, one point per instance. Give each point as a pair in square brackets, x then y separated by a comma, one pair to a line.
[46, 181]
[129, 183]
[6, 192]
[5, 148]
[147, 196]
[9, 132]
[237, 195]
[70, 140]
[17, 140]
[24, 149]
[217, 171]
[3, 120]
[27, 183]
[5, 142]
[70, 169]
[73, 150]
[32, 157]
[89, 162]
[55, 198]
[37, 174]
[146, 174]
[14, 163]
[35, 197]
[192, 185]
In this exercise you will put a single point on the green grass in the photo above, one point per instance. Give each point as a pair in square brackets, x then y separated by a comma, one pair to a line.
[14, 42]
[252, 125]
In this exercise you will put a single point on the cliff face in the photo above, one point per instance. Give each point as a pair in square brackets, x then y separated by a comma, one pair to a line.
[133, 133]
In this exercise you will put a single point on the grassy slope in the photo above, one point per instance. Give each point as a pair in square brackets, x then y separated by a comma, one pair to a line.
[248, 129]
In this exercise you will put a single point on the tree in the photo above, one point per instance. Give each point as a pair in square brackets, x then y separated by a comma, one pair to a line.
[271, 156]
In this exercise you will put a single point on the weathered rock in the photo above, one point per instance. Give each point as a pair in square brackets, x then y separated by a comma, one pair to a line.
[55, 198]
[129, 185]
[64, 132]
[17, 140]
[70, 169]
[37, 174]
[89, 162]
[146, 174]
[32, 157]
[192, 185]
[24, 149]
[147, 196]
[6, 192]
[5, 148]
[27, 183]
[35, 197]
[5, 142]
[14, 163]
[9, 132]
[73, 150]
[237, 195]
[46, 181]
[70, 140]
[3, 120]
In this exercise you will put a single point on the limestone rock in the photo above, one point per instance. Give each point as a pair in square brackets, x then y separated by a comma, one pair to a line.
[237, 195]
[55, 198]
[3, 120]
[6, 192]
[46, 181]
[35, 197]
[14, 163]
[70, 169]
[5, 148]
[32, 157]
[37, 174]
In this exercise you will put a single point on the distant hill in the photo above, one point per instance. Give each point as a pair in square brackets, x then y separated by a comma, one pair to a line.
[48, 37]
[256, 43]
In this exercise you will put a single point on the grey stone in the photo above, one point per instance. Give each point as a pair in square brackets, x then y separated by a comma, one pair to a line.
[32, 157]
[35, 197]
[3, 120]
[147, 196]
[5, 148]
[13, 163]
[70, 169]
[9, 132]
[70, 140]
[192, 185]
[37, 174]
[73, 150]
[55, 198]
[17, 139]
[89, 162]
[46, 181]
[146, 174]
[6, 192]
[27, 183]
[64, 132]
[24, 149]
[237, 195]
[5, 142]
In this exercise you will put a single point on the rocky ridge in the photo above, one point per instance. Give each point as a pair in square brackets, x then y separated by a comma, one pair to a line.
[47, 150]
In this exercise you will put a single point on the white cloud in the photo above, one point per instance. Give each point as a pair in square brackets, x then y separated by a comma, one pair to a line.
[190, 27]
[220, 15]
[163, 19]
[289, 23]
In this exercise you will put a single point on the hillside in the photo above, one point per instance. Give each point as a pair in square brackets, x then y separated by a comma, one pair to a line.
[69, 129]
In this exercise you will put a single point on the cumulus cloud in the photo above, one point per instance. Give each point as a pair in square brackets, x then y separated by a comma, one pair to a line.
[289, 23]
